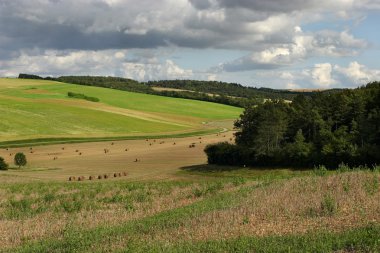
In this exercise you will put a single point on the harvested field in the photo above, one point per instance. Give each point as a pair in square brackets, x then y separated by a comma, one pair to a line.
[144, 159]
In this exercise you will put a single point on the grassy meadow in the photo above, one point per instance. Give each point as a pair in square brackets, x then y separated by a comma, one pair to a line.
[39, 109]
[210, 211]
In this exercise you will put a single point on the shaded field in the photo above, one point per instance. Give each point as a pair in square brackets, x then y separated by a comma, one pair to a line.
[282, 212]
[35, 109]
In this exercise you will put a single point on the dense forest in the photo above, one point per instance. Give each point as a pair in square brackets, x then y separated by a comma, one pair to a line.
[322, 129]
[226, 89]
[211, 91]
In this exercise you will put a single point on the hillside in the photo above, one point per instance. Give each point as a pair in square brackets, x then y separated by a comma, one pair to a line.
[212, 91]
[36, 108]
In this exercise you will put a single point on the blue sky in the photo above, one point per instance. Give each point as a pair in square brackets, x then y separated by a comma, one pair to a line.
[274, 43]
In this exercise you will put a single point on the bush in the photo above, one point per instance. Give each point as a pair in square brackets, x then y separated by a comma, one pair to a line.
[224, 153]
[82, 96]
[3, 164]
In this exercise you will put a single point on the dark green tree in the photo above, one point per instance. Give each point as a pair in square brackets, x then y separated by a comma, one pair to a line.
[298, 152]
[3, 164]
[20, 159]
[263, 127]
[325, 128]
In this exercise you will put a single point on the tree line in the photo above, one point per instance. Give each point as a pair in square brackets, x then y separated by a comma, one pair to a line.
[322, 129]
[211, 91]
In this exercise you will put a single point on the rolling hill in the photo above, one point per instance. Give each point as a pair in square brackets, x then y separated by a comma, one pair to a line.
[42, 109]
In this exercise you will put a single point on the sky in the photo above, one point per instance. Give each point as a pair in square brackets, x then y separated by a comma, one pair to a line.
[285, 44]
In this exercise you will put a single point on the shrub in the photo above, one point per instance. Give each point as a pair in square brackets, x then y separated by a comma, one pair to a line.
[82, 96]
[3, 164]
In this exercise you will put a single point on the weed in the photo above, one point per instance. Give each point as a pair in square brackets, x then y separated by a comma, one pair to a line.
[328, 205]
[238, 181]
[320, 170]
[371, 185]
[71, 206]
[49, 197]
[342, 168]
[346, 186]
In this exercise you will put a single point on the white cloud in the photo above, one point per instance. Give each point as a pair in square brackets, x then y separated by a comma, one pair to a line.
[96, 37]
[321, 75]
[358, 74]
[302, 46]
[107, 62]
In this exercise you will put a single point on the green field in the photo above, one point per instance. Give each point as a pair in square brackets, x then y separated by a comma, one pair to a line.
[33, 109]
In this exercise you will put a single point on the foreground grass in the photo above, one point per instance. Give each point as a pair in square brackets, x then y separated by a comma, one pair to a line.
[276, 213]
[364, 239]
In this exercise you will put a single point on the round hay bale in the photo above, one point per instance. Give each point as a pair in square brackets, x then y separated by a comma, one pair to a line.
[119, 174]
[115, 174]
[105, 176]
[100, 177]
[124, 173]
[91, 178]
[71, 178]
[81, 178]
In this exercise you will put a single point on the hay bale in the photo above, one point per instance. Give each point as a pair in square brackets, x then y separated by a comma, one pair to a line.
[105, 176]
[71, 178]
[115, 174]
[125, 173]
[119, 174]
[100, 177]
[91, 178]
[81, 178]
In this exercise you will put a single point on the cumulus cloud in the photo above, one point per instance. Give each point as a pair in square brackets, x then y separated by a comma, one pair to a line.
[105, 62]
[37, 34]
[303, 46]
[106, 24]
[321, 75]
[358, 74]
